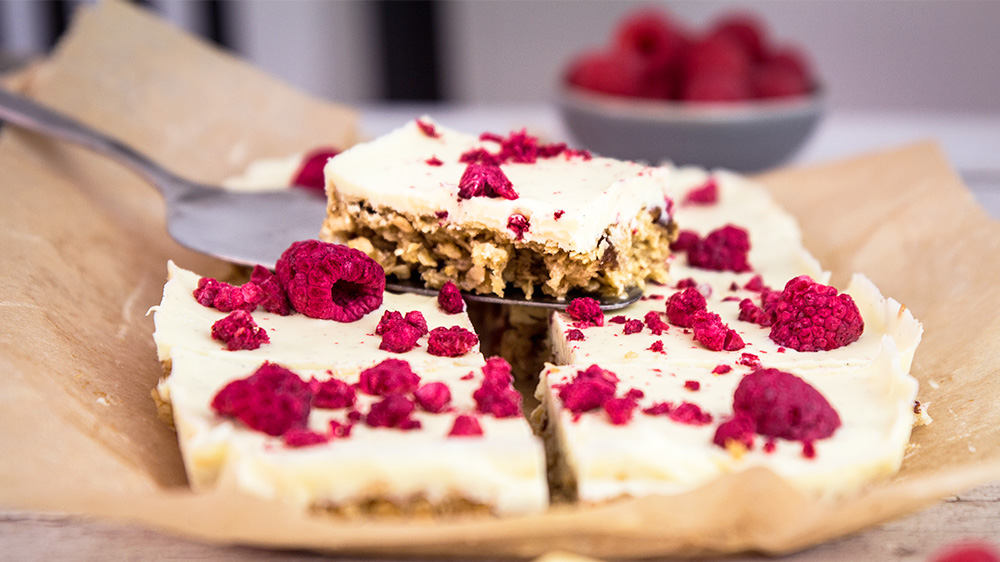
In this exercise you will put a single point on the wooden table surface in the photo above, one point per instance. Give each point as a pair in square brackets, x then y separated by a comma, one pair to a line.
[972, 144]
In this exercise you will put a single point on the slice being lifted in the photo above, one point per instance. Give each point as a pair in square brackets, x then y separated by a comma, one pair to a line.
[492, 212]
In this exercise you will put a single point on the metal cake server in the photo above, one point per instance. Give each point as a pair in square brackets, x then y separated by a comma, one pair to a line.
[245, 228]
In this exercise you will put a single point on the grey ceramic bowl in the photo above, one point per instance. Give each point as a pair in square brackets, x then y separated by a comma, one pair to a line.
[743, 136]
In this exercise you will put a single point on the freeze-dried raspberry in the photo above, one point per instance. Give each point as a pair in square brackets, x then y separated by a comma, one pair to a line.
[310, 173]
[497, 396]
[273, 297]
[659, 409]
[271, 400]
[967, 551]
[451, 342]
[341, 430]
[558, 214]
[245, 297]
[434, 161]
[389, 318]
[465, 426]
[737, 429]
[690, 414]
[298, 437]
[392, 411]
[711, 332]
[721, 369]
[750, 312]
[391, 376]
[329, 281]
[574, 335]
[239, 331]
[416, 319]
[619, 319]
[655, 323]
[518, 224]
[479, 156]
[683, 305]
[634, 394]
[428, 128]
[692, 385]
[450, 299]
[749, 360]
[785, 406]
[206, 291]
[704, 195]
[433, 397]
[770, 446]
[632, 327]
[399, 337]
[588, 390]
[586, 312]
[620, 410]
[756, 284]
[686, 239]
[656, 346]
[724, 249]
[808, 450]
[442, 215]
[809, 316]
[485, 180]
[332, 394]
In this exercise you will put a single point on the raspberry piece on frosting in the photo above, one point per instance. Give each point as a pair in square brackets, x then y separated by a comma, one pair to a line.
[655, 323]
[749, 360]
[451, 342]
[392, 376]
[586, 312]
[724, 249]
[330, 281]
[465, 426]
[332, 394]
[497, 396]
[518, 224]
[485, 180]
[399, 337]
[393, 411]
[620, 410]
[272, 295]
[632, 327]
[433, 397]
[207, 290]
[686, 239]
[739, 429]
[784, 406]
[310, 173]
[574, 335]
[682, 307]
[225, 297]
[711, 332]
[428, 128]
[691, 414]
[272, 400]
[809, 316]
[434, 161]
[450, 299]
[239, 331]
[479, 156]
[707, 194]
[588, 390]
[298, 437]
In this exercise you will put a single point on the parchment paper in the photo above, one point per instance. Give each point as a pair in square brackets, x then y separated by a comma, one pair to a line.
[84, 254]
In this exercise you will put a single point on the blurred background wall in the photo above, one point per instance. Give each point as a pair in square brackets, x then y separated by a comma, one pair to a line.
[899, 55]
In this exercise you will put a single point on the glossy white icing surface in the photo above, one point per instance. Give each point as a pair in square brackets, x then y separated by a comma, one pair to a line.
[503, 469]
[297, 341]
[593, 195]
[656, 455]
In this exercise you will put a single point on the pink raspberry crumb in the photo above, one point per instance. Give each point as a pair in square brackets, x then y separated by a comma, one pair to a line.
[485, 180]
[239, 331]
[392, 411]
[332, 394]
[428, 128]
[690, 414]
[298, 437]
[749, 360]
[738, 429]
[273, 297]
[588, 390]
[686, 239]
[586, 312]
[632, 327]
[433, 397]
[692, 385]
[574, 335]
[398, 335]
[809, 316]
[207, 290]
[711, 332]
[558, 214]
[655, 323]
[721, 369]
[451, 342]
[450, 299]
[391, 376]
[434, 161]
[724, 249]
[465, 426]
[518, 224]
[706, 194]
[619, 319]
[330, 281]
[497, 396]
[682, 307]
[620, 410]
[272, 400]
[656, 347]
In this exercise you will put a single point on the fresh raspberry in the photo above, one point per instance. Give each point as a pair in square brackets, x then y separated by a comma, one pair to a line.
[245, 297]
[655, 323]
[271, 400]
[724, 249]
[574, 335]
[682, 307]
[332, 394]
[711, 332]
[619, 319]
[485, 180]
[428, 128]
[451, 342]
[497, 396]
[719, 55]
[588, 390]
[632, 327]
[586, 312]
[329, 281]
[777, 81]
[518, 224]
[617, 72]
[809, 316]
[967, 551]
[273, 297]
[392, 376]
[792, 60]
[433, 397]
[745, 30]
[717, 86]
[434, 161]
[620, 410]
[707, 194]
[450, 299]
[686, 239]
[737, 429]
[651, 34]
[393, 411]
[298, 437]
[749, 360]
[239, 331]
[721, 369]
[310, 173]
[784, 406]
[692, 385]
[465, 426]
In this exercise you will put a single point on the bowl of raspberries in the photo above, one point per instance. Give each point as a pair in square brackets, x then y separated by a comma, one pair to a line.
[724, 97]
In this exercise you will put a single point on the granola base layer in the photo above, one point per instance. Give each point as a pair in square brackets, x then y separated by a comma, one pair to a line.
[486, 261]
